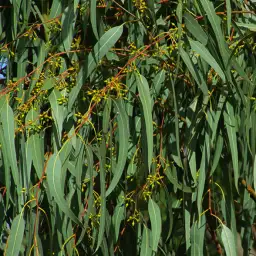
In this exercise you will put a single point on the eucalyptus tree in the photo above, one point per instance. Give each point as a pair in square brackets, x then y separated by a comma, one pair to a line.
[127, 127]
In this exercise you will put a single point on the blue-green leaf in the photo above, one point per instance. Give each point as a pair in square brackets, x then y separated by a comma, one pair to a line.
[16, 235]
[145, 98]
[102, 159]
[230, 122]
[58, 111]
[55, 9]
[119, 215]
[194, 72]
[123, 134]
[146, 249]
[68, 24]
[228, 241]
[100, 49]
[7, 119]
[156, 225]
[206, 55]
[195, 29]
[229, 9]
[197, 237]
[54, 181]
[93, 17]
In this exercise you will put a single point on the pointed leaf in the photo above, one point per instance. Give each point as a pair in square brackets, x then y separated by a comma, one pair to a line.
[145, 98]
[156, 225]
[194, 72]
[228, 241]
[146, 249]
[68, 23]
[119, 215]
[93, 17]
[16, 235]
[53, 177]
[100, 49]
[205, 54]
[123, 134]
[7, 119]
[231, 130]
[195, 29]
[197, 237]
[58, 111]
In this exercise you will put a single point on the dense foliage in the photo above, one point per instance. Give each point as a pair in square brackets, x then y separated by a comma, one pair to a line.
[127, 127]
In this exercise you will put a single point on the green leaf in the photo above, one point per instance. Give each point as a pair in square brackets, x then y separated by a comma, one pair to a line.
[54, 182]
[205, 54]
[100, 49]
[58, 110]
[228, 241]
[175, 182]
[68, 24]
[102, 159]
[194, 72]
[48, 84]
[145, 98]
[158, 82]
[123, 134]
[16, 235]
[250, 26]
[228, 7]
[119, 215]
[217, 153]
[156, 225]
[42, 53]
[216, 25]
[55, 9]
[146, 249]
[35, 143]
[187, 219]
[93, 17]
[197, 237]
[213, 18]
[230, 123]
[7, 120]
[202, 179]
[254, 173]
[195, 29]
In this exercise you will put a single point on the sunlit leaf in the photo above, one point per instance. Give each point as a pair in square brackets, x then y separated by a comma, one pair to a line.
[228, 241]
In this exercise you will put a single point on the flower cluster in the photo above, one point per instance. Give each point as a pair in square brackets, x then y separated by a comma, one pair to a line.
[116, 88]
[140, 5]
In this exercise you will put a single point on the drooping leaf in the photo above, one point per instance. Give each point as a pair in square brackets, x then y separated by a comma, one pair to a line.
[7, 120]
[192, 69]
[197, 237]
[123, 134]
[146, 246]
[195, 29]
[206, 55]
[230, 122]
[145, 98]
[156, 226]
[53, 177]
[93, 17]
[68, 23]
[16, 235]
[100, 49]
[228, 241]
[119, 215]
[102, 159]
[58, 110]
